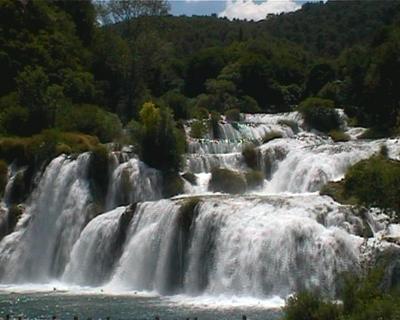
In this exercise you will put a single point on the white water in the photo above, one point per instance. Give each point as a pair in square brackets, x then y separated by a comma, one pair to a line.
[266, 244]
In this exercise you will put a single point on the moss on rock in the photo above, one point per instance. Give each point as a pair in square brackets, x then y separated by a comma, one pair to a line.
[254, 179]
[172, 185]
[224, 180]
[249, 154]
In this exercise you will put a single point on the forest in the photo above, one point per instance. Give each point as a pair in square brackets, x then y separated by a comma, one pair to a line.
[62, 61]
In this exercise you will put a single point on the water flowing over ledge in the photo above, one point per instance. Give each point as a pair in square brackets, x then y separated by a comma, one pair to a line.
[270, 242]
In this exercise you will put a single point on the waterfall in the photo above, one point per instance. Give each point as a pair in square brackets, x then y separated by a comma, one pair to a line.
[270, 242]
[132, 181]
[222, 245]
[98, 248]
[56, 213]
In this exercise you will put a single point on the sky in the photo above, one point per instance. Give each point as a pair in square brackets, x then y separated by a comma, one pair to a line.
[240, 9]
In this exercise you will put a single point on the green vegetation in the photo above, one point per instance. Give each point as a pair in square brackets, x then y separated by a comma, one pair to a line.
[250, 156]
[375, 182]
[320, 114]
[232, 115]
[63, 71]
[160, 141]
[254, 179]
[371, 182]
[172, 185]
[198, 129]
[224, 180]
[364, 298]
[335, 190]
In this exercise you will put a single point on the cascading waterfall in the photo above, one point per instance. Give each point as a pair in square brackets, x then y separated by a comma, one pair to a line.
[53, 220]
[268, 242]
[132, 181]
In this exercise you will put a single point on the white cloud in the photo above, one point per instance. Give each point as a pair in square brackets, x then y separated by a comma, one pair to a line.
[250, 10]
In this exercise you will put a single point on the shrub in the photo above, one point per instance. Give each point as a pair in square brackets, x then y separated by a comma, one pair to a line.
[364, 298]
[14, 120]
[375, 182]
[198, 129]
[339, 136]
[233, 115]
[249, 105]
[249, 153]
[14, 149]
[254, 179]
[335, 190]
[269, 136]
[320, 114]
[91, 120]
[172, 185]
[215, 117]
[309, 306]
[178, 103]
[162, 144]
[200, 113]
[224, 180]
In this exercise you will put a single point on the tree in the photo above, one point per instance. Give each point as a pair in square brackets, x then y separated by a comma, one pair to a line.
[162, 144]
[126, 11]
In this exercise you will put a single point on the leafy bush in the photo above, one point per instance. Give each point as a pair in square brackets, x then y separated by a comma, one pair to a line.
[320, 114]
[161, 143]
[198, 129]
[178, 103]
[364, 298]
[249, 105]
[339, 136]
[249, 154]
[375, 182]
[14, 120]
[44, 146]
[91, 120]
[224, 180]
[215, 117]
[232, 115]
[254, 179]
[309, 306]
[335, 190]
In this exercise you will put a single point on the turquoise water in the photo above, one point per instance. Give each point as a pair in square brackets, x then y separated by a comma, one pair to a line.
[64, 305]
